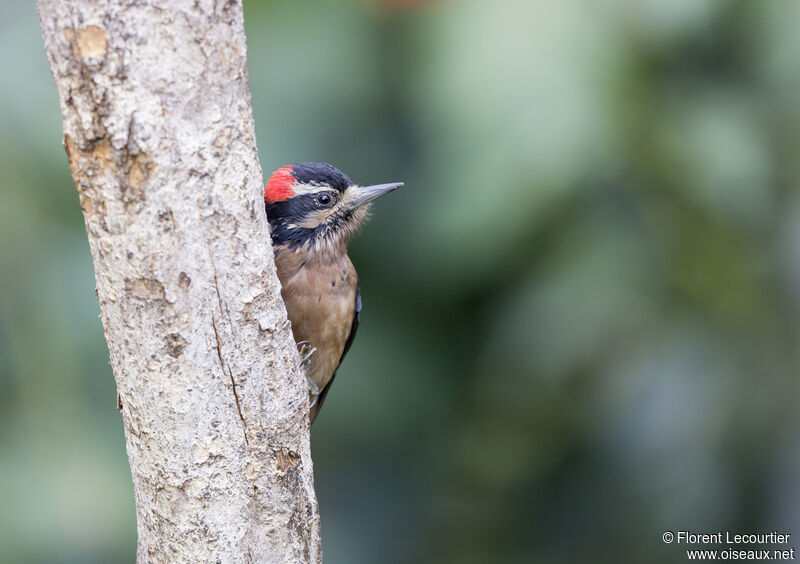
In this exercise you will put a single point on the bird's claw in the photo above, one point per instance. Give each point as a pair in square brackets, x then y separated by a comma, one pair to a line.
[306, 358]
[306, 352]
[313, 391]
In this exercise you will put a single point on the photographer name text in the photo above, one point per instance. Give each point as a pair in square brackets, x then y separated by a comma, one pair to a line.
[726, 537]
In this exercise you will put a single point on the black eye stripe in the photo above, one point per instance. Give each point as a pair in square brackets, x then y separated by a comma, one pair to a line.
[286, 215]
[296, 209]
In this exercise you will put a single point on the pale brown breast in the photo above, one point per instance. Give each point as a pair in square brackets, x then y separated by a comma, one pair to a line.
[319, 290]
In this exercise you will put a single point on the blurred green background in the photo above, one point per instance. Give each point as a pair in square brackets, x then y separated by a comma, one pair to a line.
[582, 314]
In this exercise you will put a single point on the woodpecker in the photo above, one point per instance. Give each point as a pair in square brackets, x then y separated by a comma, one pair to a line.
[313, 209]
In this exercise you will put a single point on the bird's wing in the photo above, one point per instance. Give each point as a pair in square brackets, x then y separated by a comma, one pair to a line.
[356, 320]
[350, 338]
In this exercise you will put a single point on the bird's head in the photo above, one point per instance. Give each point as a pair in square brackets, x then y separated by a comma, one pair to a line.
[317, 203]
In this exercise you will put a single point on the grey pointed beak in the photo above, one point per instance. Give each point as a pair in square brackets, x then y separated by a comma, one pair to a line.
[364, 194]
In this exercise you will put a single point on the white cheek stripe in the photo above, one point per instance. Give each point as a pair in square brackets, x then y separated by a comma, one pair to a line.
[303, 189]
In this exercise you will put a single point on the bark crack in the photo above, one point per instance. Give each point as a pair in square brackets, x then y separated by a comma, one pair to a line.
[226, 369]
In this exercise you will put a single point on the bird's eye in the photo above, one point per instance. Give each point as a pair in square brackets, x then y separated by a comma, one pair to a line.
[323, 199]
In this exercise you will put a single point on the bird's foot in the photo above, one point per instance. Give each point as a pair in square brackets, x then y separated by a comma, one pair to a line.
[313, 391]
[306, 352]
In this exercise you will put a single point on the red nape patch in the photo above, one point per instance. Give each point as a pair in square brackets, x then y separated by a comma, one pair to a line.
[279, 187]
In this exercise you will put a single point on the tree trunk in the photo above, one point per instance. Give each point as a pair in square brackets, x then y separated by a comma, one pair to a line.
[159, 135]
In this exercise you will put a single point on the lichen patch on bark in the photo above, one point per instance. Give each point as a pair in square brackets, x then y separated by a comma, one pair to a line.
[286, 458]
[91, 41]
[145, 288]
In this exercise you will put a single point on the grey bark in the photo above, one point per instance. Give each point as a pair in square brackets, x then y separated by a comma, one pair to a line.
[159, 136]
